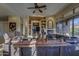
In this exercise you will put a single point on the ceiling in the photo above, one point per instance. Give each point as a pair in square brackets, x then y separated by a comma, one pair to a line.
[20, 9]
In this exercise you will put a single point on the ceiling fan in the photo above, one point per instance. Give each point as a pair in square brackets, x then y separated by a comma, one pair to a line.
[37, 7]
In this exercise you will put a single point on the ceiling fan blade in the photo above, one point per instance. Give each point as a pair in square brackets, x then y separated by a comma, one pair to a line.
[31, 8]
[34, 11]
[40, 10]
[42, 6]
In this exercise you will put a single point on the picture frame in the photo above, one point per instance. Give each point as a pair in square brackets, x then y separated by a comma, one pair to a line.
[12, 26]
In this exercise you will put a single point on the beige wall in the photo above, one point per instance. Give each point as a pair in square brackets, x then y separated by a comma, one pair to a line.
[53, 19]
[17, 20]
[3, 27]
[25, 25]
[25, 22]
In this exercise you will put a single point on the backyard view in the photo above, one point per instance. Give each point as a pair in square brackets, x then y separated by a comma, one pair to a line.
[76, 27]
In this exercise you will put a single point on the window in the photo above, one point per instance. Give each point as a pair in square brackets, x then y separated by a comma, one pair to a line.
[76, 27]
[70, 27]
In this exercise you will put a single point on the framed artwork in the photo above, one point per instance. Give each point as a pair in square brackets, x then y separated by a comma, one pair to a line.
[12, 26]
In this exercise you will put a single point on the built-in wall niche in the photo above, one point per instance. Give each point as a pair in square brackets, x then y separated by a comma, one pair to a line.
[50, 24]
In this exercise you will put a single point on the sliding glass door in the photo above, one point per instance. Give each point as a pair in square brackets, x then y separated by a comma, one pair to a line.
[74, 27]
